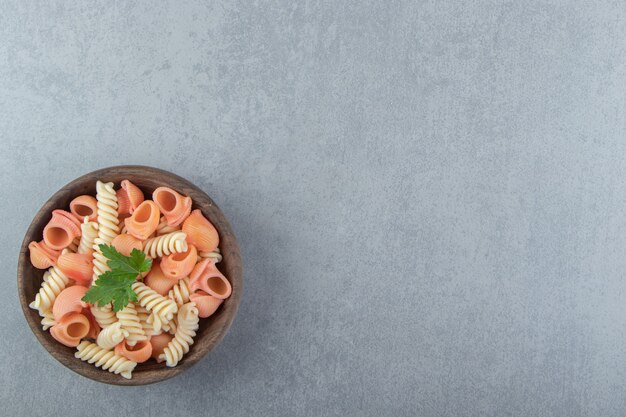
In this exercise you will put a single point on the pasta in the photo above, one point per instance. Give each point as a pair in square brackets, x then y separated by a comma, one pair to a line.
[166, 244]
[181, 249]
[105, 359]
[186, 331]
[55, 281]
[130, 322]
[111, 336]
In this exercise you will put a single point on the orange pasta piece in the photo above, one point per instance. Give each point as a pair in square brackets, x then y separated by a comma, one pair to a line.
[125, 243]
[159, 343]
[61, 230]
[69, 301]
[201, 232]
[129, 197]
[144, 220]
[206, 304]
[78, 266]
[41, 255]
[70, 329]
[174, 206]
[157, 280]
[140, 352]
[94, 327]
[84, 206]
[206, 277]
[178, 265]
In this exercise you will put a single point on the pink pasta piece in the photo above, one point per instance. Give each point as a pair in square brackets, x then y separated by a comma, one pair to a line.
[61, 230]
[129, 197]
[201, 232]
[70, 329]
[94, 327]
[125, 243]
[84, 206]
[144, 220]
[178, 265]
[206, 277]
[157, 280]
[159, 343]
[41, 255]
[174, 206]
[69, 301]
[205, 303]
[78, 266]
[139, 353]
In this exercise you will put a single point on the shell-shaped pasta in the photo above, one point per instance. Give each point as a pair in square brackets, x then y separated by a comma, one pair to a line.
[105, 359]
[159, 342]
[70, 329]
[89, 232]
[125, 244]
[55, 281]
[139, 353]
[160, 306]
[129, 197]
[41, 255]
[84, 206]
[178, 265]
[157, 280]
[186, 331]
[206, 304]
[144, 221]
[163, 228]
[73, 246]
[215, 255]
[180, 292]
[200, 232]
[130, 322]
[111, 336]
[209, 279]
[61, 230]
[104, 315]
[148, 326]
[77, 266]
[69, 301]
[166, 244]
[94, 327]
[174, 206]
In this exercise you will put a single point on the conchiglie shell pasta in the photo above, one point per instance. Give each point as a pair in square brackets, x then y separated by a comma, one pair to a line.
[200, 232]
[41, 255]
[70, 329]
[94, 327]
[174, 206]
[78, 266]
[178, 265]
[205, 303]
[207, 278]
[125, 244]
[129, 197]
[84, 206]
[144, 220]
[69, 301]
[159, 342]
[139, 353]
[157, 280]
[61, 230]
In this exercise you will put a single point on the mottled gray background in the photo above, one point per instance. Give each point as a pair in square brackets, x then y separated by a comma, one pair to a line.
[430, 195]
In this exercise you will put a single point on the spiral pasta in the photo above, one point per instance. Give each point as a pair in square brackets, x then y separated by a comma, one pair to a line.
[105, 359]
[166, 244]
[183, 338]
[180, 292]
[55, 281]
[89, 232]
[130, 322]
[216, 255]
[163, 308]
[104, 315]
[163, 228]
[147, 326]
[107, 225]
[111, 336]
[47, 321]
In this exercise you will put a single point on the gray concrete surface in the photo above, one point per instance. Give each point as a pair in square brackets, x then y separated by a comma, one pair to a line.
[430, 196]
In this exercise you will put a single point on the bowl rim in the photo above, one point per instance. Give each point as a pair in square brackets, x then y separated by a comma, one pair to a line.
[233, 257]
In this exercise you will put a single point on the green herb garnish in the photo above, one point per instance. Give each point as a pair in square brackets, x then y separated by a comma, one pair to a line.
[116, 285]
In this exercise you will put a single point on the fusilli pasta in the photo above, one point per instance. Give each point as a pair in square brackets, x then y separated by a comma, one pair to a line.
[154, 302]
[105, 359]
[180, 292]
[166, 244]
[111, 336]
[104, 315]
[89, 234]
[130, 322]
[107, 225]
[54, 282]
[183, 338]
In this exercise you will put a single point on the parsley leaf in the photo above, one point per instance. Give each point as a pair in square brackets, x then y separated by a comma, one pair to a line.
[116, 285]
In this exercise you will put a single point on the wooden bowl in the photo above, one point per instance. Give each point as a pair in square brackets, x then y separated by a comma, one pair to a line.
[212, 329]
